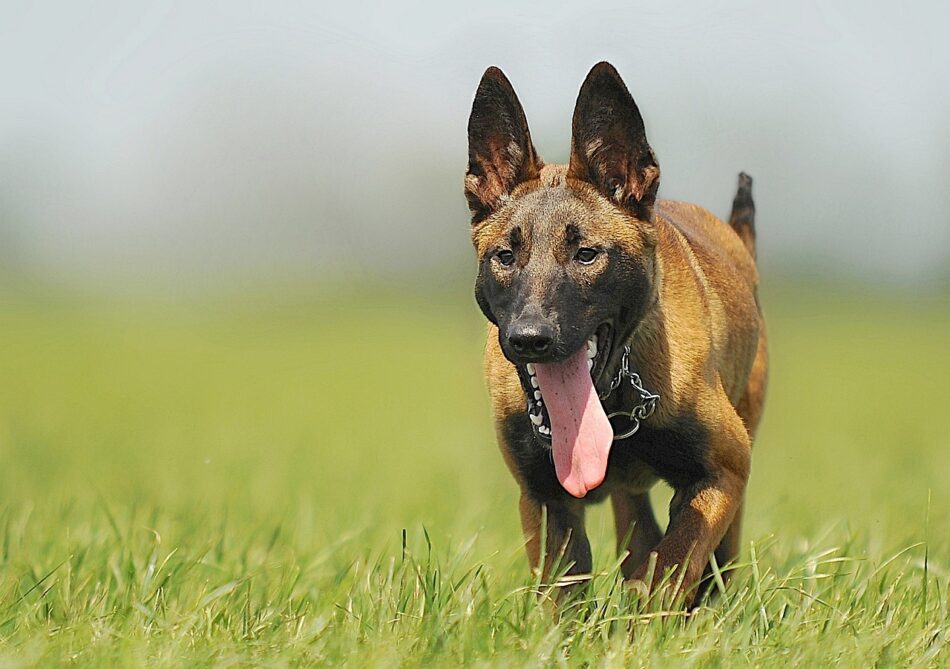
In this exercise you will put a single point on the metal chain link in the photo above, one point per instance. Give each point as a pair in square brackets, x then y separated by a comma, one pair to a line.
[648, 400]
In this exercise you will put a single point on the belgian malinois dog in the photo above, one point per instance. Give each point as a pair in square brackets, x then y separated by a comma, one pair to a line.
[625, 345]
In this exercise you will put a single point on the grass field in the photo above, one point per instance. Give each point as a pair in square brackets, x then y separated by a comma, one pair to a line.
[227, 484]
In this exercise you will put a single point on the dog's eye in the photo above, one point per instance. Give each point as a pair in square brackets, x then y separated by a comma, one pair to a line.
[505, 257]
[585, 256]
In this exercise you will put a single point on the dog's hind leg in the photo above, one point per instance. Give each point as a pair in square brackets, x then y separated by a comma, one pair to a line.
[637, 529]
[750, 405]
[749, 408]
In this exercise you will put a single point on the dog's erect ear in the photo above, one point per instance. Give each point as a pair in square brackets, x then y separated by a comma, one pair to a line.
[500, 153]
[609, 146]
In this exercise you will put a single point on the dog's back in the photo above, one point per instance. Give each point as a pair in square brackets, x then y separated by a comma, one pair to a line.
[696, 242]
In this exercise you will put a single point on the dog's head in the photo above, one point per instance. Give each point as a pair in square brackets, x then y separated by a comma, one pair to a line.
[566, 254]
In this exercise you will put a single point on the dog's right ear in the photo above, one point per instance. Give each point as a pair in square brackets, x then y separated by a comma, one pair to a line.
[500, 152]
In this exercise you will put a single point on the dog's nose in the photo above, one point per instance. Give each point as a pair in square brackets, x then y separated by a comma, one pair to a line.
[531, 339]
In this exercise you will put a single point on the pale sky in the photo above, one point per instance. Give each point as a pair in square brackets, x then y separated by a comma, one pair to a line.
[163, 140]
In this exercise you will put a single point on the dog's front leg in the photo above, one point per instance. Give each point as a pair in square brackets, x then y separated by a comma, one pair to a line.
[554, 532]
[700, 514]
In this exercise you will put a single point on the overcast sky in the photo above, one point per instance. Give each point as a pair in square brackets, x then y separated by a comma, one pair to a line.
[204, 140]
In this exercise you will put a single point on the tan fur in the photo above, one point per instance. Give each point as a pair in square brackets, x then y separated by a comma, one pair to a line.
[698, 337]
[713, 289]
[706, 283]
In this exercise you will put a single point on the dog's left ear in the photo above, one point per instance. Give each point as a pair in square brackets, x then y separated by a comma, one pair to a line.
[500, 152]
[609, 147]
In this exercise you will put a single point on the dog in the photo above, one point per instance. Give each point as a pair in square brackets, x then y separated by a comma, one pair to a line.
[626, 343]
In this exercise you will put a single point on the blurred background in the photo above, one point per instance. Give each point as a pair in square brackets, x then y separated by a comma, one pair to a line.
[187, 145]
[235, 267]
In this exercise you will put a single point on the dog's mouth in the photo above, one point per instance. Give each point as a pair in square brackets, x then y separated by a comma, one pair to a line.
[565, 410]
[598, 349]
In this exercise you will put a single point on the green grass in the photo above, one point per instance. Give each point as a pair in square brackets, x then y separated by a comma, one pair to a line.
[228, 484]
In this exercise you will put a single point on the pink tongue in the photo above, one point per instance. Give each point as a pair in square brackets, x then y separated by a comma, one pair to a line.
[581, 435]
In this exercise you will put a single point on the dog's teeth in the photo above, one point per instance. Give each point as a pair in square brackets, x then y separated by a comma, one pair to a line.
[534, 382]
[530, 368]
[592, 347]
[536, 418]
[537, 394]
[544, 429]
[590, 365]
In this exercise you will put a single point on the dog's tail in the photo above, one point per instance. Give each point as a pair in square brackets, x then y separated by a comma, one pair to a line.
[742, 218]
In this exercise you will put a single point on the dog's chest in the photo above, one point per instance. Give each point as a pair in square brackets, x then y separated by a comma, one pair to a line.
[676, 454]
